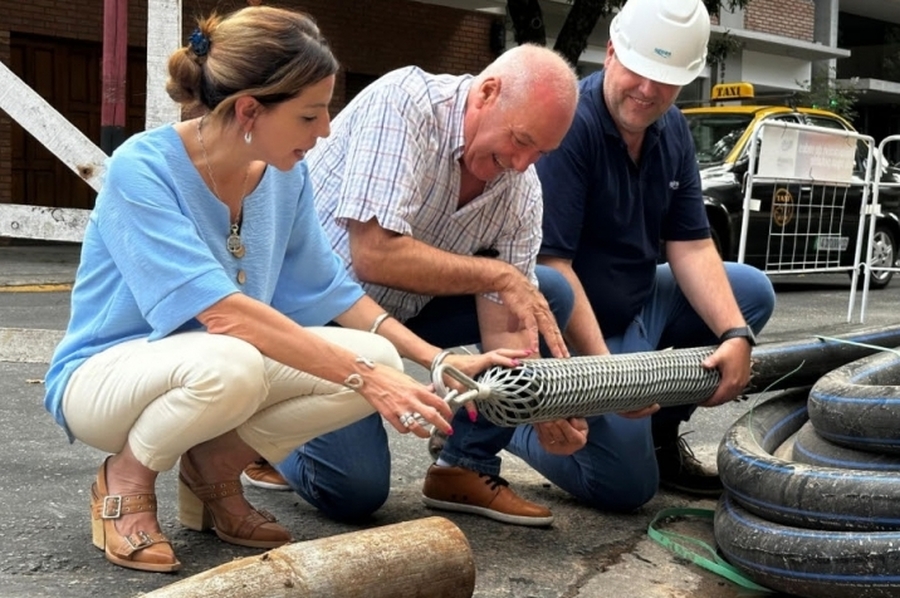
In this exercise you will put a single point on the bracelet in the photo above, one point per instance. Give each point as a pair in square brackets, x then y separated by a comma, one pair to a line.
[354, 381]
[378, 322]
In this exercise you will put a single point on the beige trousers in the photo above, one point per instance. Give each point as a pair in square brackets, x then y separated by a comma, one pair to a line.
[166, 396]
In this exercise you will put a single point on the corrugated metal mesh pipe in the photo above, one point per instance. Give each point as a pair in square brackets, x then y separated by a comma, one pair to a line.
[548, 389]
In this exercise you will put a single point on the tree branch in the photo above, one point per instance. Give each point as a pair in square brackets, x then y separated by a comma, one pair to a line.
[580, 22]
[528, 21]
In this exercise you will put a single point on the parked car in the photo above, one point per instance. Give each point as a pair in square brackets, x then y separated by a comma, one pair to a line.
[722, 136]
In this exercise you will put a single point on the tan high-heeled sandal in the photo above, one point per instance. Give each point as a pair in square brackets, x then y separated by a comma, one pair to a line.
[144, 551]
[197, 510]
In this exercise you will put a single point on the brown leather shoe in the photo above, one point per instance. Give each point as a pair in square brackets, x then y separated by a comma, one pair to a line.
[467, 491]
[679, 469]
[262, 475]
[198, 510]
[144, 551]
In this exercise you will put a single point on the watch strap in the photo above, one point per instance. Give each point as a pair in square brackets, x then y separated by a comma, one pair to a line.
[744, 332]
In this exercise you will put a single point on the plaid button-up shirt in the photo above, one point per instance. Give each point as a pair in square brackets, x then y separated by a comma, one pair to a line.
[393, 155]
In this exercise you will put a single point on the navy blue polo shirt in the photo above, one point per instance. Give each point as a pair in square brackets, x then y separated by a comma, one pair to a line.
[608, 214]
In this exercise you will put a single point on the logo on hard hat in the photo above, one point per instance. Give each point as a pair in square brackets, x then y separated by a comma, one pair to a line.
[663, 53]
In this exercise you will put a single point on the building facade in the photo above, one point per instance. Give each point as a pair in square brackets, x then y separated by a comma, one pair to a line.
[56, 48]
[782, 46]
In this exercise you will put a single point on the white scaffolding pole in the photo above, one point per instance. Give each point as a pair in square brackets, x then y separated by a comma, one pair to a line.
[163, 38]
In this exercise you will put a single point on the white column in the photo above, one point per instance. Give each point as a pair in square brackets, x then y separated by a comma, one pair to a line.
[826, 33]
[730, 70]
[164, 36]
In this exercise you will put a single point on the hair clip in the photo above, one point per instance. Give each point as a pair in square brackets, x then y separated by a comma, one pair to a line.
[199, 43]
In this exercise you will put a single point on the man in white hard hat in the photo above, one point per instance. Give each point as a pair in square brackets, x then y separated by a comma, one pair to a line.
[623, 182]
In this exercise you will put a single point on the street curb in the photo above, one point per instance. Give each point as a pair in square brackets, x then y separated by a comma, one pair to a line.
[37, 287]
[28, 345]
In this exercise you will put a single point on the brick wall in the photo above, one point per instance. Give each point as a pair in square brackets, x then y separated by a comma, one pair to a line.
[371, 37]
[76, 19]
[788, 18]
[376, 37]
[368, 37]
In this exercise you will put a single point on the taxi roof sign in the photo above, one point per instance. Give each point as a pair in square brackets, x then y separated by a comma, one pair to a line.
[732, 91]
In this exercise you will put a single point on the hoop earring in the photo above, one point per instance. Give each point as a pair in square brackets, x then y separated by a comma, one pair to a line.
[248, 137]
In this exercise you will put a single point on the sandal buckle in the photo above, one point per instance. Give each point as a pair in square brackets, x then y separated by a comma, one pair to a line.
[112, 507]
[144, 540]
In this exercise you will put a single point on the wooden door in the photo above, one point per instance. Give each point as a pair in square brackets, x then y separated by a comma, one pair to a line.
[67, 74]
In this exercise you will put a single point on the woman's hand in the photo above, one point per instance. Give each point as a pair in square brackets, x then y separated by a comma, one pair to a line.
[397, 396]
[472, 365]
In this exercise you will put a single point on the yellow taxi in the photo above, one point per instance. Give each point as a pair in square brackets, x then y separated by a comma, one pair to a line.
[722, 135]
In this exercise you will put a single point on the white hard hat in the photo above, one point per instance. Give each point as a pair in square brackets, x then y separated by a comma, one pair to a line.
[662, 40]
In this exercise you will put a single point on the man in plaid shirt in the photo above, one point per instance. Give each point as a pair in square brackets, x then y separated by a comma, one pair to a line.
[427, 189]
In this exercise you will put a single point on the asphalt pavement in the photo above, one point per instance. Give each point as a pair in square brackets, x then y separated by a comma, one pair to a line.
[45, 547]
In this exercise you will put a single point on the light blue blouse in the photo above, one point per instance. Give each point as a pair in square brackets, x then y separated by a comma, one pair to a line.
[154, 255]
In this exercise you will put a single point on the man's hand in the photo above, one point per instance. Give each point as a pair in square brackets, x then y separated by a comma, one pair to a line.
[530, 311]
[563, 436]
[732, 359]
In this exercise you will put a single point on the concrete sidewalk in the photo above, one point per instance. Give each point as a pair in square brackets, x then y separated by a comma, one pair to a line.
[44, 520]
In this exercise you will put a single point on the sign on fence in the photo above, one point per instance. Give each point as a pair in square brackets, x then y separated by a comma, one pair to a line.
[806, 155]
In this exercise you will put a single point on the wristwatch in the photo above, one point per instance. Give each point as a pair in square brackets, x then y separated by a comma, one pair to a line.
[744, 332]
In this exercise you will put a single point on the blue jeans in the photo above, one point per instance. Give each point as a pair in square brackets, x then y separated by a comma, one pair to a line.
[346, 473]
[617, 470]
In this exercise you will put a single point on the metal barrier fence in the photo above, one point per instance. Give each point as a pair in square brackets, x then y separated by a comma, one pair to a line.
[881, 244]
[806, 198]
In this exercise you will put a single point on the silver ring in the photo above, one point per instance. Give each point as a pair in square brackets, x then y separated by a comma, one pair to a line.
[407, 419]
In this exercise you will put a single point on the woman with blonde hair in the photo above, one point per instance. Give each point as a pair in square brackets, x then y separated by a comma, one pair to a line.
[198, 316]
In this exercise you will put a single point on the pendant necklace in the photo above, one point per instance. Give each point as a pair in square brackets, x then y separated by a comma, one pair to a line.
[233, 242]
